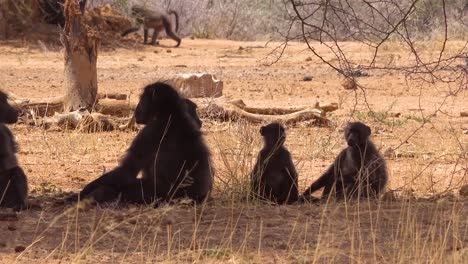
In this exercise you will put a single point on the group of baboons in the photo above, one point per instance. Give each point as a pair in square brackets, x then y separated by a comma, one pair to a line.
[175, 161]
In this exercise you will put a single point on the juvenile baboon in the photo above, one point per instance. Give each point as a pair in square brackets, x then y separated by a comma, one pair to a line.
[13, 181]
[169, 150]
[274, 176]
[156, 20]
[358, 171]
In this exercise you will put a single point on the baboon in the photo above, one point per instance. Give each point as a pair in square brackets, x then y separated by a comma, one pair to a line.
[170, 151]
[156, 20]
[274, 176]
[192, 110]
[359, 170]
[13, 181]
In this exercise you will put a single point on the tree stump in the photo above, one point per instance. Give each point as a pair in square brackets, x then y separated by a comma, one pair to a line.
[81, 48]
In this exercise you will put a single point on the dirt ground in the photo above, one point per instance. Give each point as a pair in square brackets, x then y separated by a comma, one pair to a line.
[428, 223]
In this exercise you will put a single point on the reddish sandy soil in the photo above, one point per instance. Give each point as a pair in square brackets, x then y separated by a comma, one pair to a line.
[433, 160]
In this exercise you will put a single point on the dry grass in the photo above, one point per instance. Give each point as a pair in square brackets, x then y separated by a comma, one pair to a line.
[428, 222]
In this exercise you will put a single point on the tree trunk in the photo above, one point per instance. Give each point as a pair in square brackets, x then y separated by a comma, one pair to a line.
[81, 46]
[3, 20]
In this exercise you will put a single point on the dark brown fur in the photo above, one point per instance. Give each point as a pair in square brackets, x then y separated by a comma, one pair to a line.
[274, 176]
[13, 181]
[359, 171]
[169, 151]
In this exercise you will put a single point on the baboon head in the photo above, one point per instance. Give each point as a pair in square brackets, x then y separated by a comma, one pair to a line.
[273, 134]
[357, 134]
[8, 114]
[157, 99]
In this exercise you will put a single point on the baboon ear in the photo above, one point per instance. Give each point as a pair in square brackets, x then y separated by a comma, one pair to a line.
[262, 130]
[367, 130]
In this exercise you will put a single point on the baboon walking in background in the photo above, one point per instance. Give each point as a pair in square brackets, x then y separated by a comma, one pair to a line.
[156, 20]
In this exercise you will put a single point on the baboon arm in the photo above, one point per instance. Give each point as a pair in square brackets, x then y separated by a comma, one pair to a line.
[4, 147]
[293, 181]
[321, 182]
[138, 156]
[255, 178]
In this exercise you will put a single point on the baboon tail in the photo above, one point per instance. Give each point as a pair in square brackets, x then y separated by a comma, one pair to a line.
[130, 30]
[172, 12]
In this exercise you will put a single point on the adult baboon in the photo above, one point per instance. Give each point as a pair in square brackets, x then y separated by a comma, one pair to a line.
[169, 150]
[274, 176]
[358, 171]
[156, 20]
[13, 181]
[192, 110]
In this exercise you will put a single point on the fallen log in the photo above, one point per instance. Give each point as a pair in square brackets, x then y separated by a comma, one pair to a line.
[232, 112]
[218, 109]
[115, 96]
[115, 107]
[41, 107]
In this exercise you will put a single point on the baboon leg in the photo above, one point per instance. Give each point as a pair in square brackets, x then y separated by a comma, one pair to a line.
[154, 40]
[20, 185]
[145, 31]
[323, 181]
[170, 33]
[140, 191]
[104, 194]
[330, 188]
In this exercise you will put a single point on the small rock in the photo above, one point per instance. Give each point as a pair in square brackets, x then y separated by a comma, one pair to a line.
[349, 84]
[395, 114]
[308, 59]
[389, 153]
[330, 107]
[141, 58]
[11, 228]
[465, 132]
[169, 51]
[307, 78]
[464, 113]
[19, 249]
[464, 191]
